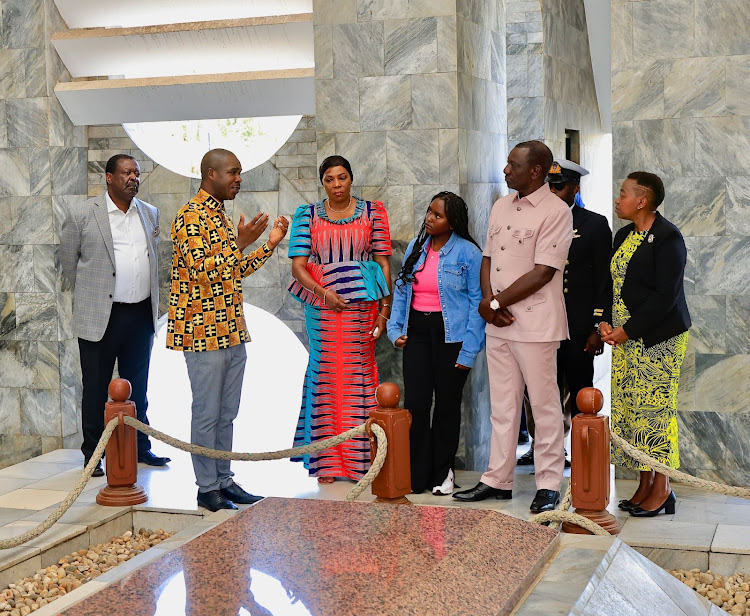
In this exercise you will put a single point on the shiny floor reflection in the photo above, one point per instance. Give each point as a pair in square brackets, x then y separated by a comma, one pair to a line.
[287, 556]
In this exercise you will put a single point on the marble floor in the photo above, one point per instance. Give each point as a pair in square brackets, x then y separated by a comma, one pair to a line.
[707, 530]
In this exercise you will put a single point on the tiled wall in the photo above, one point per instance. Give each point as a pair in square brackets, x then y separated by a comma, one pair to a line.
[43, 162]
[681, 109]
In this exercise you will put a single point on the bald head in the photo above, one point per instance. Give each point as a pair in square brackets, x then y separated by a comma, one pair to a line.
[220, 174]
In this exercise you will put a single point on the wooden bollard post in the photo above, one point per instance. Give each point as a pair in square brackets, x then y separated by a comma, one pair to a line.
[122, 452]
[589, 464]
[393, 482]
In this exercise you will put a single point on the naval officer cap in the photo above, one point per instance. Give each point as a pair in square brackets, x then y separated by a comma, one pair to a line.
[564, 171]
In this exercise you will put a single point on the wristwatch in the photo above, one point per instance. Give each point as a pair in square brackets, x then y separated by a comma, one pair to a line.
[494, 304]
[596, 327]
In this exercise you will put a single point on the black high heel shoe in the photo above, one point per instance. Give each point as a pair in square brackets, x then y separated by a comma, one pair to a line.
[668, 506]
[626, 505]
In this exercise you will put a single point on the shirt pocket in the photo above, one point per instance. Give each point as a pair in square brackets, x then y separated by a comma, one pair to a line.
[454, 276]
[522, 242]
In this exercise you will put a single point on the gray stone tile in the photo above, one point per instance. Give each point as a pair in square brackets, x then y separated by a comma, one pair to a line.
[12, 73]
[413, 157]
[696, 205]
[10, 411]
[434, 100]
[15, 179]
[737, 317]
[721, 264]
[326, 12]
[738, 205]
[623, 151]
[658, 533]
[666, 147]
[411, 46]
[27, 122]
[337, 105]
[358, 50]
[728, 564]
[448, 139]
[40, 412]
[17, 273]
[662, 30]
[36, 72]
[40, 176]
[447, 44]
[378, 10]
[23, 23]
[385, 103]
[695, 87]
[708, 331]
[638, 92]
[676, 559]
[721, 28]
[714, 153]
[32, 220]
[399, 202]
[36, 317]
[323, 52]
[525, 119]
[517, 67]
[69, 170]
[712, 371]
[367, 153]
[474, 49]
[738, 85]
[430, 8]
[264, 177]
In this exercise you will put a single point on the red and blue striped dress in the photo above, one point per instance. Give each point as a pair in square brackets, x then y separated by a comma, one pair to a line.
[341, 377]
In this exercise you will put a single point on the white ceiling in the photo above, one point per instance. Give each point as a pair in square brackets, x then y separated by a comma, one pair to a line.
[104, 14]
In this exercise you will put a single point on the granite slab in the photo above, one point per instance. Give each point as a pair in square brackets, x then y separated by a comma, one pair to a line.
[318, 557]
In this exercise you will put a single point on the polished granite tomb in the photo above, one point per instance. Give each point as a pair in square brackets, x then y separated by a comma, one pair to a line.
[286, 556]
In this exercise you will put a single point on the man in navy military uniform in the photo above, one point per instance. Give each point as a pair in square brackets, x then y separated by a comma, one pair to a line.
[586, 285]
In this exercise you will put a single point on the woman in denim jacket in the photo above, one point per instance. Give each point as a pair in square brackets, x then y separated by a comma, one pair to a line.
[434, 319]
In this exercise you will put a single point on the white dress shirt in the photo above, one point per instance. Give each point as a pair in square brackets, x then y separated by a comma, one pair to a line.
[133, 279]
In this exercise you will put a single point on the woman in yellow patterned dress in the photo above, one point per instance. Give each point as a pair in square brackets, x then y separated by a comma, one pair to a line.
[649, 335]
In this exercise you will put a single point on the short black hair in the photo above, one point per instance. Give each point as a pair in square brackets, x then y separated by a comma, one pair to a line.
[113, 162]
[652, 185]
[538, 154]
[334, 161]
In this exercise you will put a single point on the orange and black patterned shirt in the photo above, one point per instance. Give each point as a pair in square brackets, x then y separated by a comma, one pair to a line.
[205, 302]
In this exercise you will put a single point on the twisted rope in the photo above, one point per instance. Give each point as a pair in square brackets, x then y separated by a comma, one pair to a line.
[672, 473]
[561, 514]
[216, 454]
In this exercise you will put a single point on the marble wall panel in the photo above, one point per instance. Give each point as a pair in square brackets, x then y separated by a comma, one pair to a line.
[27, 122]
[411, 46]
[737, 318]
[448, 140]
[6, 221]
[289, 198]
[18, 366]
[399, 202]
[638, 92]
[695, 87]
[326, 12]
[738, 85]
[696, 205]
[474, 49]
[721, 27]
[722, 382]
[666, 147]
[686, 389]
[32, 220]
[10, 411]
[430, 8]
[714, 153]
[23, 23]
[323, 52]
[36, 317]
[40, 412]
[709, 315]
[517, 67]
[7, 314]
[12, 73]
[366, 153]
[45, 358]
[385, 103]
[261, 178]
[40, 171]
[412, 157]
[721, 265]
[358, 50]
[15, 179]
[447, 38]
[336, 104]
[623, 150]
[525, 119]
[434, 100]
[664, 29]
[379, 10]
[17, 273]
[714, 445]
[69, 167]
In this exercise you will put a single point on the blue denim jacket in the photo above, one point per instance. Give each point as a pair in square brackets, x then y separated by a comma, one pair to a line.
[460, 293]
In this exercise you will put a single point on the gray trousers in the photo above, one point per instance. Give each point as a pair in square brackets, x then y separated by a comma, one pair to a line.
[216, 382]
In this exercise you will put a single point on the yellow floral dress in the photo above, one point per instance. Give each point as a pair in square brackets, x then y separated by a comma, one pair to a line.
[644, 380]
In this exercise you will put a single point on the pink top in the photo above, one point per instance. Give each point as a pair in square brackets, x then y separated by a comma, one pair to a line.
[425, 295]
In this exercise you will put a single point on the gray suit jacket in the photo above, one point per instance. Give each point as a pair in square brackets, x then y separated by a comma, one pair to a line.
[87, 257]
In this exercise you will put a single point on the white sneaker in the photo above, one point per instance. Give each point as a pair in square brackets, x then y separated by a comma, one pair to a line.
[446, 488]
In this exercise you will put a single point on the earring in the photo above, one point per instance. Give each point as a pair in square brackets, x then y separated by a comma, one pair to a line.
[640, 207]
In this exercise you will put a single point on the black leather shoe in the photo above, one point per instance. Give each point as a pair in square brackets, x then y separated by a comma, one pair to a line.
[545, 500]
[237, 495]
[481, 491]
[523, 437]
[98, 471]
[626, 505]
[149, 458]
[668, 506]
[567, 461]
[526, 459]
[214, 500]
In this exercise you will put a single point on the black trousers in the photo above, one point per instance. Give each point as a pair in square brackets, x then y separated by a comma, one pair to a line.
[574, 367]
[128, 340]
[429, 369]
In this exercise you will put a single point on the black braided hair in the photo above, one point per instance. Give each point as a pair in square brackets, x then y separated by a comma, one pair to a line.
[457, 213]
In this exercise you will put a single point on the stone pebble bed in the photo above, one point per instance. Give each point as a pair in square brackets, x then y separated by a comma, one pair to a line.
[49, 584]
[729, 592]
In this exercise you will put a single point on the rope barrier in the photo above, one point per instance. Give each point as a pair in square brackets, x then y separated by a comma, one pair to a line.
[361, 485]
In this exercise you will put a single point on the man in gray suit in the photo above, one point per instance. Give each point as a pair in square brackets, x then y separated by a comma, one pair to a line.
[108, 250]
